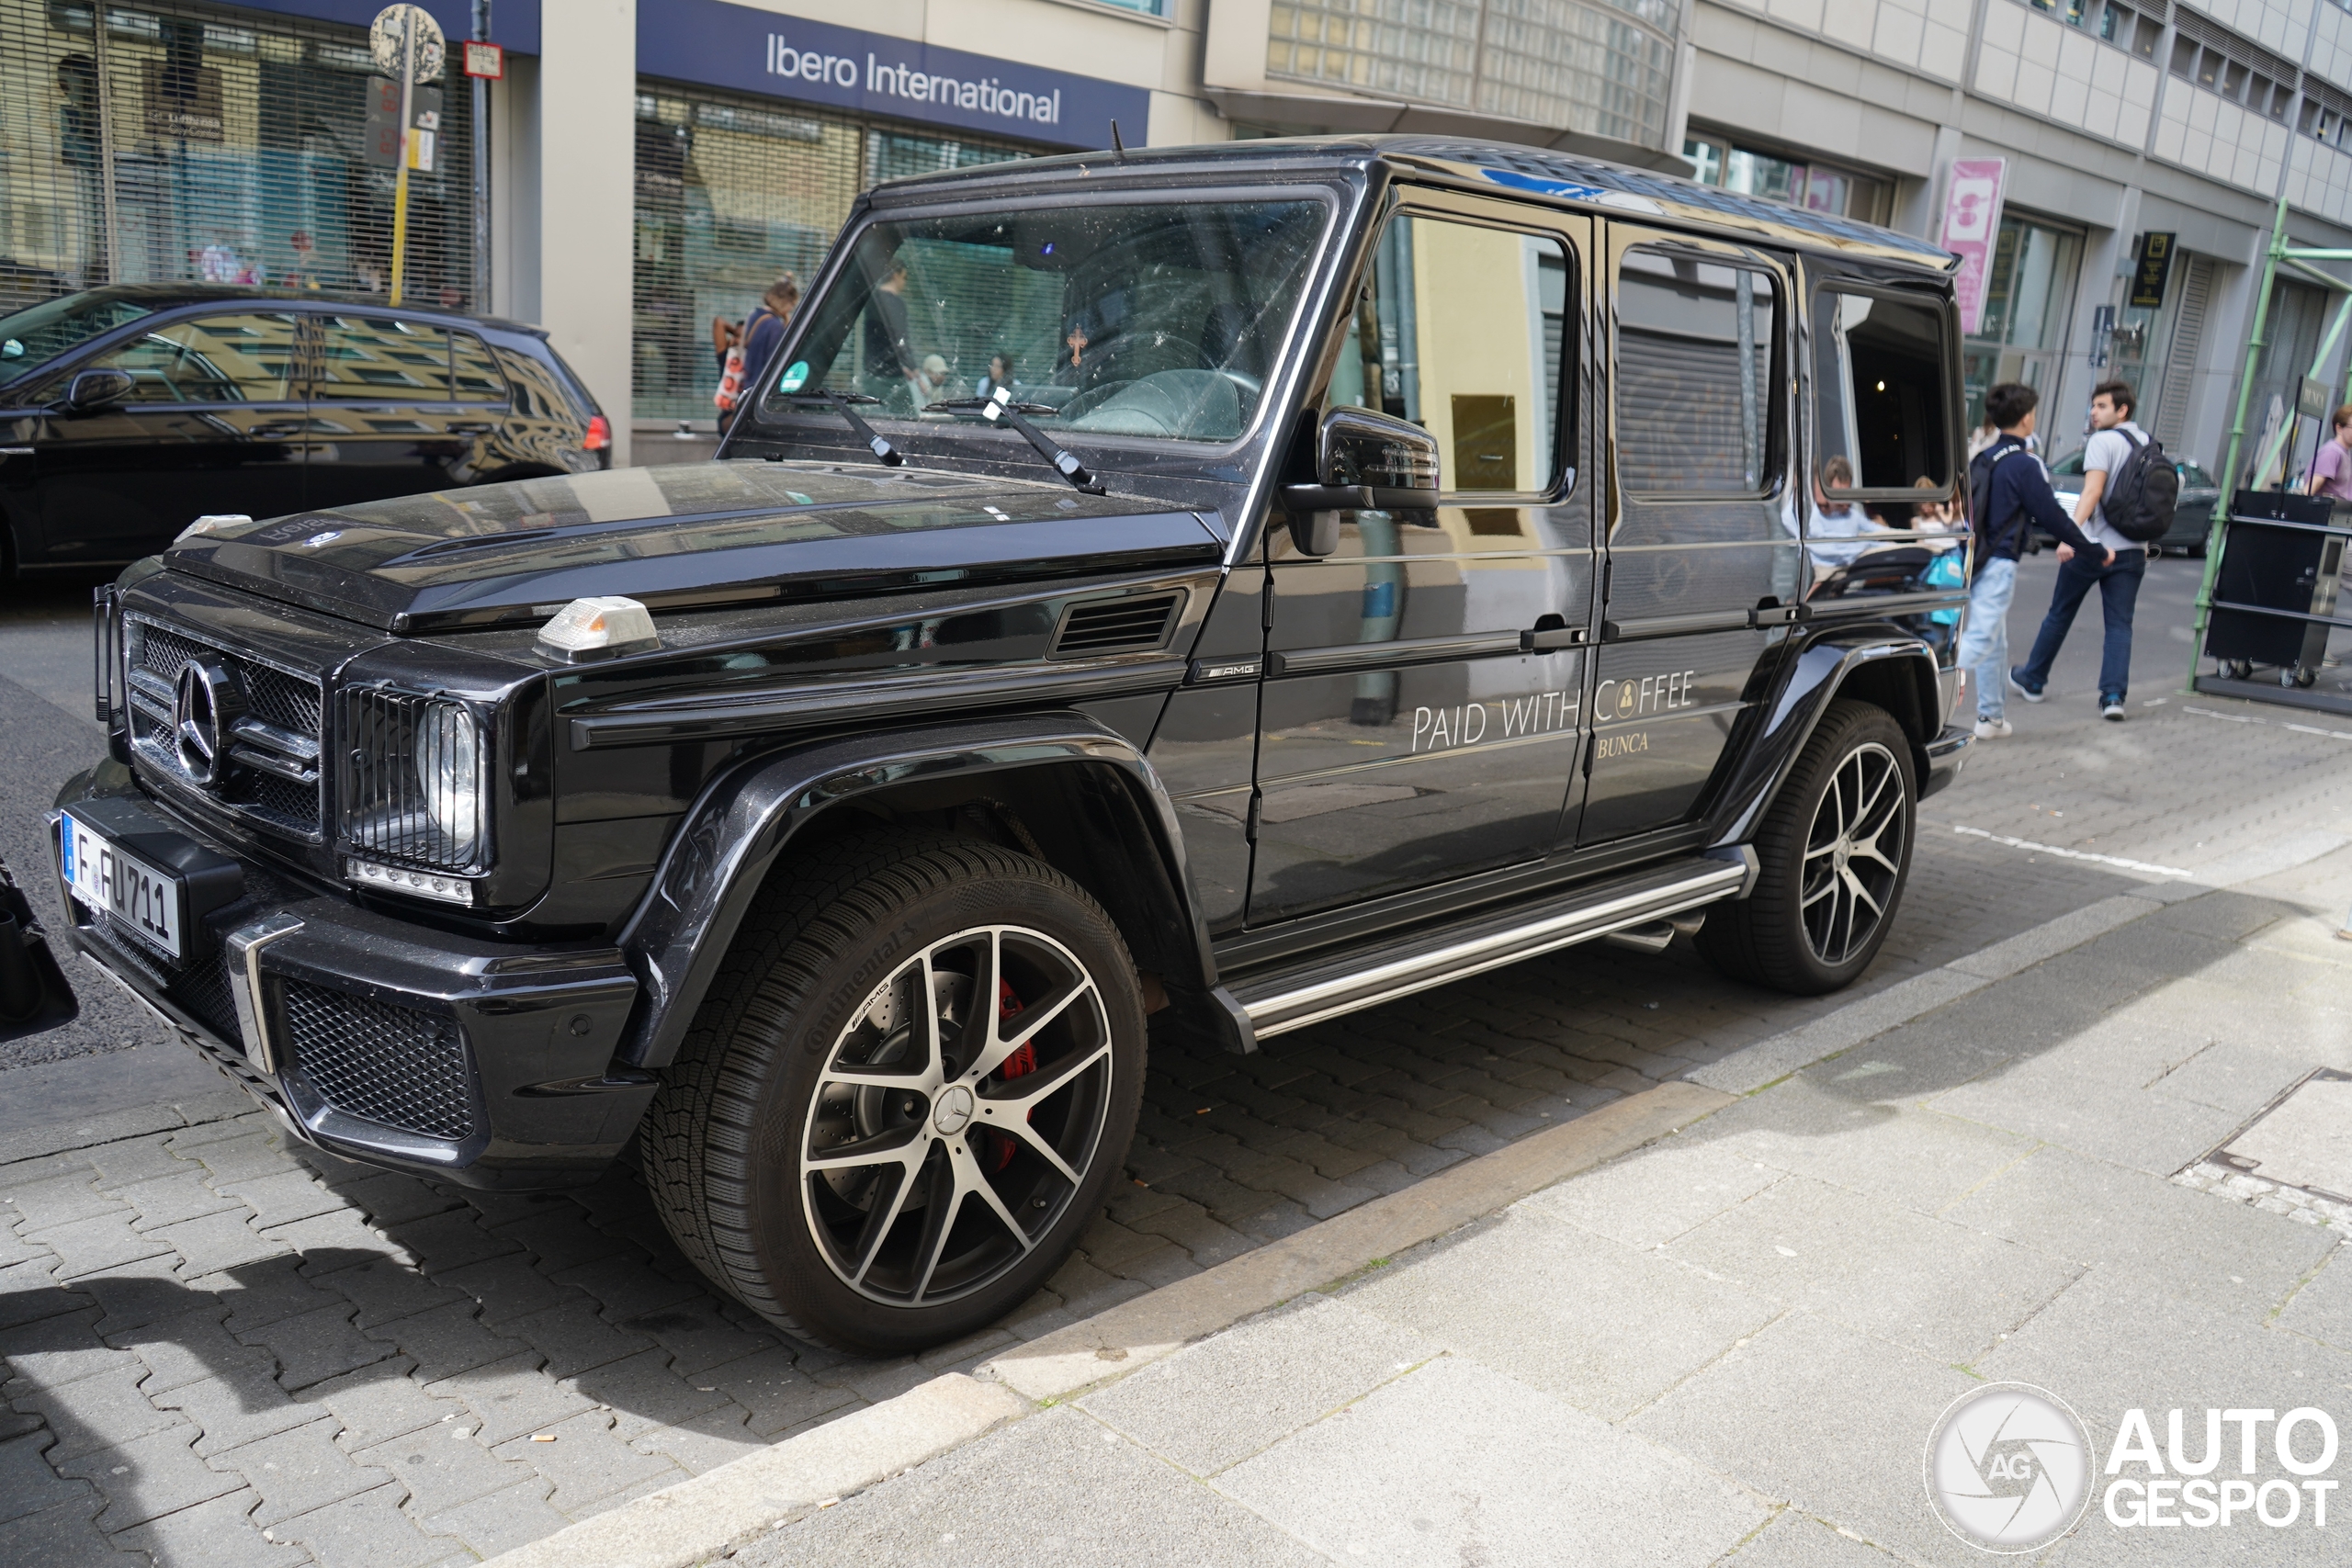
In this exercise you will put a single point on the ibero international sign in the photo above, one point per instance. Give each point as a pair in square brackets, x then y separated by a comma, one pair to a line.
[788, 57]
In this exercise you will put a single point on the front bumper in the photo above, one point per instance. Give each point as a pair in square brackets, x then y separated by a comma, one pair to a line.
[374, 1038]
[1945, 758]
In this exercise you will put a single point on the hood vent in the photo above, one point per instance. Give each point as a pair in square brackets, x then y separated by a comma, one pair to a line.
[1115, 625]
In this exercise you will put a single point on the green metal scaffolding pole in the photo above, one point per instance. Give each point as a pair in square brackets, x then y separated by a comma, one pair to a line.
[2298, 259]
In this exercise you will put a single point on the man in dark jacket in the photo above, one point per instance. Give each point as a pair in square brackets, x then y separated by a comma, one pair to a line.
[2007, 494]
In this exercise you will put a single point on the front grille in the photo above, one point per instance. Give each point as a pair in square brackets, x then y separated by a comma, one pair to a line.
[389, 1065]
[272, 776]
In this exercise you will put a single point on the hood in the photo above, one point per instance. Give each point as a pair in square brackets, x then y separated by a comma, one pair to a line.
[688, 535]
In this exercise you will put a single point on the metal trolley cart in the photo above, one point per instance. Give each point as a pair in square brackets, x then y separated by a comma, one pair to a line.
[2275, 599]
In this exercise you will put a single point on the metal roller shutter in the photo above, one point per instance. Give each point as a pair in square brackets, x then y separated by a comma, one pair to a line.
[2180, 358]
[732, 192]
[194, 141]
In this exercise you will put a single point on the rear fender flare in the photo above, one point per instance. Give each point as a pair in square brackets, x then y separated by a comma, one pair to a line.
[1904, 665]
[747, 818]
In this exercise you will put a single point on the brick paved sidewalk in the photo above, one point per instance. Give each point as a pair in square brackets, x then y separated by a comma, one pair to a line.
[224, 1349]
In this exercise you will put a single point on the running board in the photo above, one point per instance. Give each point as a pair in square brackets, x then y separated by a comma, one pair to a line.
[1309, 993]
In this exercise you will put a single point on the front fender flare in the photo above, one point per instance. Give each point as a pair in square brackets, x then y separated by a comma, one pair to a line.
[741, 825]
[1815, 677]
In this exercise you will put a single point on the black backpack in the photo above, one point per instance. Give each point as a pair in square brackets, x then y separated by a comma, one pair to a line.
[2141, 492]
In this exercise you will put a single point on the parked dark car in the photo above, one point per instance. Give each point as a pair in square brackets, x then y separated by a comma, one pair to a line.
[1398, 556]
[128, 412]
[2192, 517]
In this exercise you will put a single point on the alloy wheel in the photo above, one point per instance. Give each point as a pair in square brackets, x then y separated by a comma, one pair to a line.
[1851, 868]
[956, 1115]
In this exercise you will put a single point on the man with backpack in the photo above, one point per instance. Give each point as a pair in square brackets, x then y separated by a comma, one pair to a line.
[2129, 490]
[2008, 494]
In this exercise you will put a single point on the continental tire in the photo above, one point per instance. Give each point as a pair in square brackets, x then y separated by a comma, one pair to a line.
[1834, 853]
[905, 1095]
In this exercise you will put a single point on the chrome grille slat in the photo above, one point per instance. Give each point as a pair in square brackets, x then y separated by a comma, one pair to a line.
[278, 741]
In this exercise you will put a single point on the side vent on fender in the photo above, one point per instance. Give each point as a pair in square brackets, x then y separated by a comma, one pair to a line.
[1099, 627]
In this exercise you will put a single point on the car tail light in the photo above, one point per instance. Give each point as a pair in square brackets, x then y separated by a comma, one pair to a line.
[600, 433]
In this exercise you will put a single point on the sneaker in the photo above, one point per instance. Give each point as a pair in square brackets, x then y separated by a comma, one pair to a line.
[2030, 693]
[1991, 728]
[2112, 709]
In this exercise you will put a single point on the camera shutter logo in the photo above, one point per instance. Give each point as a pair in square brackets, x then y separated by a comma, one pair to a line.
[2009, 1468]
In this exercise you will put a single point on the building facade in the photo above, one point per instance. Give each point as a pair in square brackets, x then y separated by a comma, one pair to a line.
[653, 165]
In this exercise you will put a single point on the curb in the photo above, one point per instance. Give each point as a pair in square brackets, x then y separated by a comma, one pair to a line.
[698, 1519]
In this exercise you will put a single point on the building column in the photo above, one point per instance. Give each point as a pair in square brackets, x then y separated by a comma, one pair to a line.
[586, 143]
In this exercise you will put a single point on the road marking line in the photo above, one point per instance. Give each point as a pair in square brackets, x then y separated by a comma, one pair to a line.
[2268, 723]
[2118, 861]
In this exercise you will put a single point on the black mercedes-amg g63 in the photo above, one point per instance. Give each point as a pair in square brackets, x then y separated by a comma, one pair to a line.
[1157, 600]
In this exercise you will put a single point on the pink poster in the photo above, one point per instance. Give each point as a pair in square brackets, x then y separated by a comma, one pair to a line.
[1971, 221]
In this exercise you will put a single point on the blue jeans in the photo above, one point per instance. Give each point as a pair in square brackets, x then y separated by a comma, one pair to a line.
[2119, 591]
[1984, 644]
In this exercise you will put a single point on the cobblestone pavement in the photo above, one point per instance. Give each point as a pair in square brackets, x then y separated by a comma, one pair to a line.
[223, 1349]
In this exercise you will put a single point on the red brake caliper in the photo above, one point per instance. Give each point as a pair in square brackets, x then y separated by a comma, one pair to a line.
[1021, 1064]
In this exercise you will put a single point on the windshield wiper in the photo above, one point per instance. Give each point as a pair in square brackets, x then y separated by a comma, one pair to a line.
[876, 442]
[1002, 407]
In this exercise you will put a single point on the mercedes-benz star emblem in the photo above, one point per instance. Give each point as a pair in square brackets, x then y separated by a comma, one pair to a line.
[205, 710]
[953, 1110]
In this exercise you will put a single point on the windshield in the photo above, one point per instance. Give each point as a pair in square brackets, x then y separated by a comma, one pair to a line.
[1122, 321]
[31, 338]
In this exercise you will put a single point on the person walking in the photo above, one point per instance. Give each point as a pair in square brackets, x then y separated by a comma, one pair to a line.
[2114, 438]
[2009, 494]
[743, 352]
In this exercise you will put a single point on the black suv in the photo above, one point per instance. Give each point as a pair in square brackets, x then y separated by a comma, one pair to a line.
[1380, 561]
[127, 412]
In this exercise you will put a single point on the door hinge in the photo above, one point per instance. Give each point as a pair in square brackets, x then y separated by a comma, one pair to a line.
[1250, 824]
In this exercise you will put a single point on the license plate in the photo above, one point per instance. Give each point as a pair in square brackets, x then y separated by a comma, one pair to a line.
[103, 876]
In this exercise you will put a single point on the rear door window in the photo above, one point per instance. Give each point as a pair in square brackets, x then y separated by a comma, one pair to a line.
[474, 371]
[381, 359]
[1694, 375]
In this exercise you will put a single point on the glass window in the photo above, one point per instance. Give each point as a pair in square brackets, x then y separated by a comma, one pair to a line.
[31, 338]
[1879, 376]
[212, 360]
[2028, 285]
[1694, 375]
[1814, 187]
[1150, 321]
[476, 372]
[375, 359]
[1461, 330]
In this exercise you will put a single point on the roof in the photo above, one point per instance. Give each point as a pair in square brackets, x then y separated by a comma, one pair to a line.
[1527, 171]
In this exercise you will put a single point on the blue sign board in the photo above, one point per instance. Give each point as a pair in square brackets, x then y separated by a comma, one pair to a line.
[719, 45]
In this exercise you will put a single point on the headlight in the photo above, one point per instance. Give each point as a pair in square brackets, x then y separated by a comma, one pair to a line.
[413, 786]
[448, 765]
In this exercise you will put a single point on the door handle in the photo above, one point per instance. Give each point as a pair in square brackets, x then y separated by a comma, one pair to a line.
[275, 432]
[476, 429]
[1552, 638]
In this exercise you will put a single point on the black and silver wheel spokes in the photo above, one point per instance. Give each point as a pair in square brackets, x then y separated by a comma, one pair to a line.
[1852, 856]
[956, 1115]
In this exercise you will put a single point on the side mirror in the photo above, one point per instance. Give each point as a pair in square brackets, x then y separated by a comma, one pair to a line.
[91, 391]
[1355, 446]
[1363, 462]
